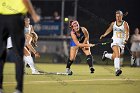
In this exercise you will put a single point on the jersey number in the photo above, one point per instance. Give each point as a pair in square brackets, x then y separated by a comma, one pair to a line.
[119, 34]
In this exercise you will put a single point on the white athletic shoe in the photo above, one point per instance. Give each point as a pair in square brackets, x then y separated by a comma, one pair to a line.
[103, 57]
[36, 72]
[69, 71]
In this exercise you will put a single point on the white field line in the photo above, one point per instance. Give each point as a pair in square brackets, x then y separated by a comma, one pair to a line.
[86, 80]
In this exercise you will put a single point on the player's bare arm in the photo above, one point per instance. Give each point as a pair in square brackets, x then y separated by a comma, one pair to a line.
[86, 34]
[108, 30]
[126, 27]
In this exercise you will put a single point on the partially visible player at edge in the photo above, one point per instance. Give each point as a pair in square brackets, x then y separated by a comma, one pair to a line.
[30, 41]
[79, 39]
[11, 24]
[120, 30]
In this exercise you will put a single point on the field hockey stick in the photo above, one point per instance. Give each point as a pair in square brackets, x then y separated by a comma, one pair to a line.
[57, 73]
[53, 73]
[130, 54]
[49, 73]
[128, 50]
[42, 72]
[104, 43]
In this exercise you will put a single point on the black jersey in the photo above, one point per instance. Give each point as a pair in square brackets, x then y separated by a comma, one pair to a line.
[80, 37]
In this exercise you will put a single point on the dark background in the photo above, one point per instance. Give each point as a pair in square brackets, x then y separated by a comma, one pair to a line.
[95, 15]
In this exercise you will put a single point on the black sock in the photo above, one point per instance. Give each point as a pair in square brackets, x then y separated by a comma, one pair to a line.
[69, 62]
[90, 60]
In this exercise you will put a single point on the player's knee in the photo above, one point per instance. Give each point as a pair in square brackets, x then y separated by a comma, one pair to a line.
[113, 56]
[72, 58]
[117, 56]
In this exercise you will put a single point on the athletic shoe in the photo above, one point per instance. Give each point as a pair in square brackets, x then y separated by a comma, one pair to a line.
[118, 72]
[68, 71]
[1, 91]
[17, 91]
[103, 57]
[92, 70]
[35, 72]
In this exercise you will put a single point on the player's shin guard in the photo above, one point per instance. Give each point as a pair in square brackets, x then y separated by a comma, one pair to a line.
[90, 63]
[90, 60]
[69, 63]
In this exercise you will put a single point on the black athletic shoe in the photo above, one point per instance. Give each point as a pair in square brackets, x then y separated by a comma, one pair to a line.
[92, 70]
[70, 73]
[118, 72]
[103, 57]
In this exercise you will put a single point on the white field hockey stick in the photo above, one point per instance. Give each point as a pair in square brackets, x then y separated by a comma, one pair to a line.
[53, 73]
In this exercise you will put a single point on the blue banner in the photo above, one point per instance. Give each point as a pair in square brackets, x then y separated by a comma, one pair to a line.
[48, 28]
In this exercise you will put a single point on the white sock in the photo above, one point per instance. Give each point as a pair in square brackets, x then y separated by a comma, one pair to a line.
[138, 61]
[117, 63]
[29, 61]
[108, 55]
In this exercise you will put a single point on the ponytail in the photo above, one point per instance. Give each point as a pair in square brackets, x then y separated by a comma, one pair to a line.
[126, 13]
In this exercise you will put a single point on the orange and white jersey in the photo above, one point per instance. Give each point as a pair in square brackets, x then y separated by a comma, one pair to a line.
[118, 31]
[118, 35]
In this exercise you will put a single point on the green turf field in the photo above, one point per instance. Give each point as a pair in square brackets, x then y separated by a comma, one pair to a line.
[102, 81]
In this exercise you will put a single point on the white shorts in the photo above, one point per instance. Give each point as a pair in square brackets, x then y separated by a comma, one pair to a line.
[135, 47]
[118, 42]
[9, 42]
